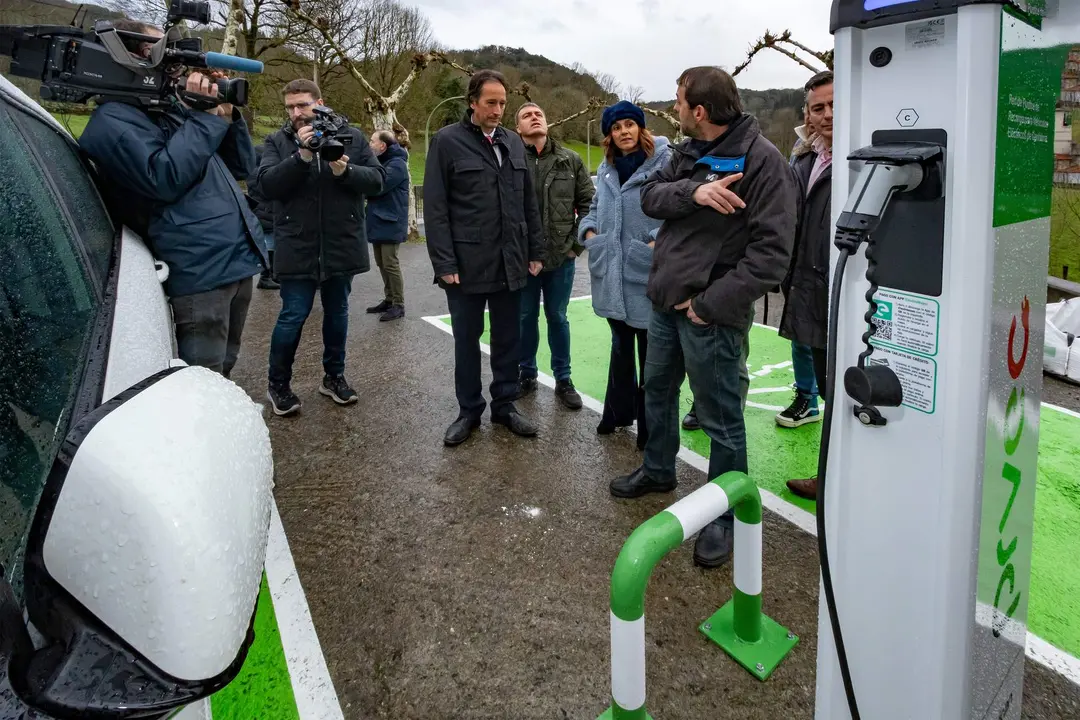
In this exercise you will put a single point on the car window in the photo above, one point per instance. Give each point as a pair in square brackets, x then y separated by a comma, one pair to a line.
[47, 311]
[67, 172]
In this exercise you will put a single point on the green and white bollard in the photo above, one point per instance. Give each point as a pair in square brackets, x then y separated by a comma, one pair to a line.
[758, 643]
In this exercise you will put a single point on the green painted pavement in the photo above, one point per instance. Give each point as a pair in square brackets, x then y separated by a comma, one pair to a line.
[778, 454]
[263, 689]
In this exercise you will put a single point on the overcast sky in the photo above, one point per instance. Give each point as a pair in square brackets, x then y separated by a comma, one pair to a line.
[641, 42]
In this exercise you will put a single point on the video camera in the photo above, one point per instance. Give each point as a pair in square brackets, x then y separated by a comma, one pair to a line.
[76, 65]
[331, 134]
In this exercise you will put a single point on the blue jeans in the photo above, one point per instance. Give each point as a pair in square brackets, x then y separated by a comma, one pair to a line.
[711, 356]
[297, 297]
[556, 287]
[802, 363]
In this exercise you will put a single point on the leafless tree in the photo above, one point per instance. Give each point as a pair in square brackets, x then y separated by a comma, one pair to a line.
[608, 83]
[634, 94]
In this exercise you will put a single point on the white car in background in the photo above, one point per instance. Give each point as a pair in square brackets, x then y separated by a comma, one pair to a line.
[134, 491]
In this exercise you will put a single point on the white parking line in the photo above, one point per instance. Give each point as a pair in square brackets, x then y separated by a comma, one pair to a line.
[1037, 649]
[316, 698]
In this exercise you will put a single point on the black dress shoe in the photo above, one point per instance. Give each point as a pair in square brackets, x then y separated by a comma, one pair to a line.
[380, 308]
[714, 543]
[516, 422]
[460, 430]
[690, 421]
[638, 483]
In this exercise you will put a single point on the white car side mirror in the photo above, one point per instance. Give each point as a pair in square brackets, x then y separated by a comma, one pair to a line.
[145, 559]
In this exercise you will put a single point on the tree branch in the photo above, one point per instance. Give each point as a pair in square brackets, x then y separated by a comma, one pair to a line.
[768, 40]
[663, 115]
[323, 29]
[419, 62]
[438, 56]
[594, 105]
[825, 57]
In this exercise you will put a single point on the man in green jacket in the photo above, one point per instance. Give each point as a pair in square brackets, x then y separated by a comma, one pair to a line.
[564, 191]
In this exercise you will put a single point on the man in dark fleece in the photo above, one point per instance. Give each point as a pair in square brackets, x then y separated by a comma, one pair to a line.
[709, 267]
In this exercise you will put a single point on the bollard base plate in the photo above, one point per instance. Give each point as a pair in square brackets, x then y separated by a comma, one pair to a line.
[759, 658]
[609, 714]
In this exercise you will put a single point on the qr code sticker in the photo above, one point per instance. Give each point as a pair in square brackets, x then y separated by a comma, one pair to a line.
[882, 328]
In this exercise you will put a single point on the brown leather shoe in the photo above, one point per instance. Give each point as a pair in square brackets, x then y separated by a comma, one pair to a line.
[806, 489]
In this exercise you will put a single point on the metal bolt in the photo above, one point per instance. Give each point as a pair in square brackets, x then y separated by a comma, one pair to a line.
[708, 626]
[760, 667]
[791, 636]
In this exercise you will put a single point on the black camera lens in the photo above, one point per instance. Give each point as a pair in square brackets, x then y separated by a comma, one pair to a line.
[331, 150]
[197, 11]
[233, 91]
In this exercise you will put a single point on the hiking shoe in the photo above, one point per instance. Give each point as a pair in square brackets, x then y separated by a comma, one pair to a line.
[335, 388]
[526, 386]
[282, 399]
[267, 282]
[800, 412]
[393, 313]
[380, 308]
[567, 394]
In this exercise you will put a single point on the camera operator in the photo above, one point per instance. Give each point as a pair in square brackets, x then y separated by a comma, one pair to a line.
[320, 241]
[176, 170]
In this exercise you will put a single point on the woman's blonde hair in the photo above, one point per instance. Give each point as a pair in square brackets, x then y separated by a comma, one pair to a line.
[645, 142]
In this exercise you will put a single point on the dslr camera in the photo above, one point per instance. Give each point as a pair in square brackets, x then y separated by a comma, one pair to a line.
[331, 134]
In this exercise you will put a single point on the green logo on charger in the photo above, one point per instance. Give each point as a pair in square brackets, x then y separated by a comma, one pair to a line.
[884, 310]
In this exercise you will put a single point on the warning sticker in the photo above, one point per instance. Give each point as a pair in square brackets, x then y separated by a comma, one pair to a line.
[907, 322]
[921, 35]
[918, 377]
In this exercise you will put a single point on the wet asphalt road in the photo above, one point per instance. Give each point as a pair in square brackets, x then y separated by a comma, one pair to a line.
[473, 582]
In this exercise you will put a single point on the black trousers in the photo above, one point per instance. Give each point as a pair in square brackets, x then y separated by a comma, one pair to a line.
[467, 316]
[821, 363]
[624, 401]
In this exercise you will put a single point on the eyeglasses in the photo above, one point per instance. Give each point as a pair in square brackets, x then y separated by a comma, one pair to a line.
[298, 106]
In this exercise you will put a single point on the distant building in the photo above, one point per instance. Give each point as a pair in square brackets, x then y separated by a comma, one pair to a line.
[1067, 152]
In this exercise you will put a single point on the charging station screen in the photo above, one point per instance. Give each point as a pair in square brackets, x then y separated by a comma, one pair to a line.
[878, 4]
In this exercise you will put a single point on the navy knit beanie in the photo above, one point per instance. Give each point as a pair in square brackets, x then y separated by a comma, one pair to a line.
[621, 110]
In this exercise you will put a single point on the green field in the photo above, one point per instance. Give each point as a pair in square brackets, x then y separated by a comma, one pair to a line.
[777, 455]
[1065, 234]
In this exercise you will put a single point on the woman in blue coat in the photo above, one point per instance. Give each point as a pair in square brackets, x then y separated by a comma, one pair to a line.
[619, 238]
[388, 222]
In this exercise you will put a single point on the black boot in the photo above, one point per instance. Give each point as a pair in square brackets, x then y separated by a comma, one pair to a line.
[714, 543]
[638, 483]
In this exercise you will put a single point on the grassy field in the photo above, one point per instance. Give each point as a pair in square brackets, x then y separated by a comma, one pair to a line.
[1065, 234]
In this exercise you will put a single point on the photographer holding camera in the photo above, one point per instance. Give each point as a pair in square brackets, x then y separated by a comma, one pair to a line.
[317, 170]
[174, 170]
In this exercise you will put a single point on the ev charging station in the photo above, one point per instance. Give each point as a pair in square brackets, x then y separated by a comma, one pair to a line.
[942, 175]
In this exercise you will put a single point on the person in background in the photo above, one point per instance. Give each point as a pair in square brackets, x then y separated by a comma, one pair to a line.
[320, 242]
[174, 172]
[619, 238]
[806, 287]
[485, 239]
[564, 191]
[388, 222]
[713, 261]
[264, 210]
[804, 407]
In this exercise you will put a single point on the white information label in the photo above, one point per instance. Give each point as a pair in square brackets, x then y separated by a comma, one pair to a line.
[918, 376]
[925, 34]
[905, 321]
